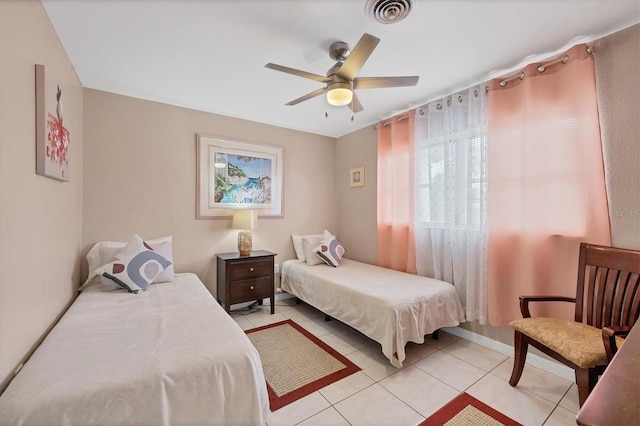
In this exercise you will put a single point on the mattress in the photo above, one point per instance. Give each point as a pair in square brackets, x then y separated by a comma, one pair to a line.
[170, 355]
[388, 306]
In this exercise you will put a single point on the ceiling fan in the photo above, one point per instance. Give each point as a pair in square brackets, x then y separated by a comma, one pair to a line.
[341, 81]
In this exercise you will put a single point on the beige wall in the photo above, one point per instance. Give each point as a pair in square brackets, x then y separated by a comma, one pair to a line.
[357, 228]
[40, 218]
[617, 60]
[140, 177]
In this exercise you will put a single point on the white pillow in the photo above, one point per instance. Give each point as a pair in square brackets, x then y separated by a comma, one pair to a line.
[297, 243]
[308, 246]
[104, 252]
[134, 267]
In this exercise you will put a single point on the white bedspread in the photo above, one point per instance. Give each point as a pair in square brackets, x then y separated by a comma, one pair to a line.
[388, 306]
[170, 355]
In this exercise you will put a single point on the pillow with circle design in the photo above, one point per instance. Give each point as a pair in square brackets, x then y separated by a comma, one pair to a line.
[135, 266]
[331, 251]
[104, 252]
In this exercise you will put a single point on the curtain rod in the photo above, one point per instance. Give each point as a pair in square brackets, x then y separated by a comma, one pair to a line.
[541, 68]
[386, 123]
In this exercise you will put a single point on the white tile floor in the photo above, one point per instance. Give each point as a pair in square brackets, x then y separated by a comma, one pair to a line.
[433, 374]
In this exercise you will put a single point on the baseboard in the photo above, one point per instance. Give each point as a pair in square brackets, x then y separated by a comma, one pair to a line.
[532, 359]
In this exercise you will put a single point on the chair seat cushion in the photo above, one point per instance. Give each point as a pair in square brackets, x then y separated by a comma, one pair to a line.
[577, 342]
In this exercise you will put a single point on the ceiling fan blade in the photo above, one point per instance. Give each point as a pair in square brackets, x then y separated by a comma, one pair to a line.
[355, 104]
[358, 56]
[316, 77]
[307, 96]
[379, 82]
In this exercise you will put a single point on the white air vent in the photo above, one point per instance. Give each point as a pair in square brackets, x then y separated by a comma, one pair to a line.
[389, 11]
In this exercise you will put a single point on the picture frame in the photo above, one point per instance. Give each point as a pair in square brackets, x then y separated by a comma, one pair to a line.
[234, 174]
[52, 137]
[356, 177]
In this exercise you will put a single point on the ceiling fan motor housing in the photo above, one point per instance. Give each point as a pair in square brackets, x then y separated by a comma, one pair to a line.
[340, 84]
[337, 82]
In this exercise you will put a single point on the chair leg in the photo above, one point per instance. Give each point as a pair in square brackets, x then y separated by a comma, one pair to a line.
[582, 380]
[586, 379]
[520, 345]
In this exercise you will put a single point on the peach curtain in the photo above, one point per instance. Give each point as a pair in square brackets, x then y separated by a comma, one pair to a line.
[546, 187]
[396, 247]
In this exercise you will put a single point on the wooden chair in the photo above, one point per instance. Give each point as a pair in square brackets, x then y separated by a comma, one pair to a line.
[611, 345]
[607, 295]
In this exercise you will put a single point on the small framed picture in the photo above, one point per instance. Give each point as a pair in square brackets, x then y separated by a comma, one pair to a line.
[357, 177]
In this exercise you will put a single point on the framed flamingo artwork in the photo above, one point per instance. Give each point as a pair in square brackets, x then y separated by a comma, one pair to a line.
[52, 137]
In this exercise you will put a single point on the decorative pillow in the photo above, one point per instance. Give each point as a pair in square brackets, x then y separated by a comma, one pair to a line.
[297, 243]
[331, 251]
[308, 244]
[104, 252]
[135, 267]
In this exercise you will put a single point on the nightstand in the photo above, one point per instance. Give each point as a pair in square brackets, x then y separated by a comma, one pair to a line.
[244, 279]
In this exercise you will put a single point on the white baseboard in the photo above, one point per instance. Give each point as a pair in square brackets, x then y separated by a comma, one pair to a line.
[532, 359]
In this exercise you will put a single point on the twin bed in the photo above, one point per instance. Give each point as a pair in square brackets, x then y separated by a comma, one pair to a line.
[388, 306]
[169, 355]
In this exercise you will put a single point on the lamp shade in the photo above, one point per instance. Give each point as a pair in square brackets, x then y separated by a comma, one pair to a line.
[245, 219]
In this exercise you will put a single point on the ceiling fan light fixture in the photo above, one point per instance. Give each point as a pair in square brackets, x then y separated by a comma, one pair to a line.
[339, 94]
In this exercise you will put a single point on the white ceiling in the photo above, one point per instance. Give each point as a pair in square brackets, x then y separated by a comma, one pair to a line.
[210, 55]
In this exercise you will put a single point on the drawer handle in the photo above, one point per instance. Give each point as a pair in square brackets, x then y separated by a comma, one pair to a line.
[251, 269]
[251, 287]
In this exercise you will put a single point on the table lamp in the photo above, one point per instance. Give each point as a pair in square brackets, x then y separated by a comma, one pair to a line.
[245, 220]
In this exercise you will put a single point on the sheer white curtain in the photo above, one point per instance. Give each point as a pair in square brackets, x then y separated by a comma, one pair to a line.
[451, 196]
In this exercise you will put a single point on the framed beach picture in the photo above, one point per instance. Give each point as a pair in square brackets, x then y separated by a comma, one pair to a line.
[234, 174]
[52, 137]
[356, 177]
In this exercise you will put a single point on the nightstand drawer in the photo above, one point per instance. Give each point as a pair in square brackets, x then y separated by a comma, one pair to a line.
[241, 270]
[251, 289]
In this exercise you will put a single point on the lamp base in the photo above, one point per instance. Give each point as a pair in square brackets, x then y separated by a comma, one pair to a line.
[244, 243]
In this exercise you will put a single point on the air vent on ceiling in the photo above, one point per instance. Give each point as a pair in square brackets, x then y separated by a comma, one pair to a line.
[389, 11]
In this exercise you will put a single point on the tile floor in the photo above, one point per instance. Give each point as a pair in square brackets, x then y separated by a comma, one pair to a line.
[433, 374]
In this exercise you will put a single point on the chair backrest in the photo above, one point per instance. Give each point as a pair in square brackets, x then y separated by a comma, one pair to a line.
[608, 292]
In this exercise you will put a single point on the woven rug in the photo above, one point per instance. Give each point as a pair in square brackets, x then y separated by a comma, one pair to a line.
[295, 362]
[465, 410]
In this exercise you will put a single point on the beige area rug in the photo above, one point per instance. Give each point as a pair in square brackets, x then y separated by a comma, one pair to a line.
[295, 362]
[465, 410]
